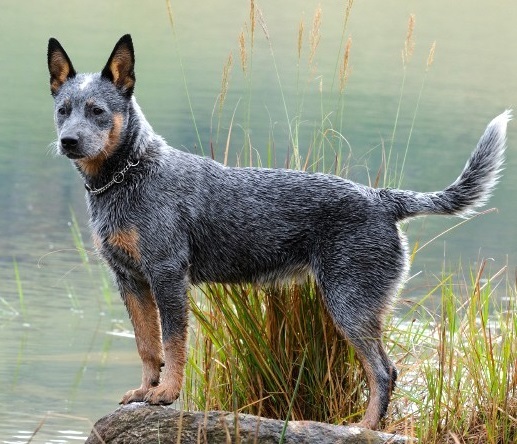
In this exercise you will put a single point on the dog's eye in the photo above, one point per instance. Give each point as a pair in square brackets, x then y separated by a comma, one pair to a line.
[62, 111]
[97, 111]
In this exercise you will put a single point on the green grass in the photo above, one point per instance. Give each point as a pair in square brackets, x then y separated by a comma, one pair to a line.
[8, 309]
[462, 378]
[255, 348]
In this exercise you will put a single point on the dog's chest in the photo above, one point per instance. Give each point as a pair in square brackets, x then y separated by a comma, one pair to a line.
[120, 244]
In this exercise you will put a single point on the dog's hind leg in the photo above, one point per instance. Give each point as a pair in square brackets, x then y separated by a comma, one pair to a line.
[358, 314]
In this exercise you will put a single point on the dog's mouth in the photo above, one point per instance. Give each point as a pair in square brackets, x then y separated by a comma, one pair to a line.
[73, 156]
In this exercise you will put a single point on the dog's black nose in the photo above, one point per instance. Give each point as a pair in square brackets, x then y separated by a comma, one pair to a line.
[69, 143]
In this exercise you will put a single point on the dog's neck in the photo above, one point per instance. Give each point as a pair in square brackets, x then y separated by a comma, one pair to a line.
[137, 135]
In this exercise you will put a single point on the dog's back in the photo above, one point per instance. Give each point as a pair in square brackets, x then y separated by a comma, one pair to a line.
[256, 224]
[232, 241]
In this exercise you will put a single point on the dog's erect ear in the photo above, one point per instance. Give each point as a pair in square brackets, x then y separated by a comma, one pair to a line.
[120, 68]
[59, 66]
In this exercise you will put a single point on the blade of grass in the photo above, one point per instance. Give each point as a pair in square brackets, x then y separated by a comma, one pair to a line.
[21, 297]
[295, 392]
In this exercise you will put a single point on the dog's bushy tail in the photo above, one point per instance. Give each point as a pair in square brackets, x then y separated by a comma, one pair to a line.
[470, 190]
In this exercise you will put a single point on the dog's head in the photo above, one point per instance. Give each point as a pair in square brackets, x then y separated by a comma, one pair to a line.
[91, 109]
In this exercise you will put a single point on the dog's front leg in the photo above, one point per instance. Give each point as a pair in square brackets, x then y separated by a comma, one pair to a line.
[142, 309]
[171, 298]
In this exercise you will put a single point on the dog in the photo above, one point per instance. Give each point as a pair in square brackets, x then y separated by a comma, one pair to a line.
[164, 219]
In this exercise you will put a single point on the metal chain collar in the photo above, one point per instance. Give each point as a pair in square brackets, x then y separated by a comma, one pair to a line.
[118, 177]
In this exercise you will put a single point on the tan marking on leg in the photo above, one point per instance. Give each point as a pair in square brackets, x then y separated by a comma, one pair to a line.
[91, 166]
[377, 402]
[175, 350]
[373, 410]
[146, 323]
[127, 240]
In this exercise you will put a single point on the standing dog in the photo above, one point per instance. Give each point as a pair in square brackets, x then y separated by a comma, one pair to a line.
[164, 219]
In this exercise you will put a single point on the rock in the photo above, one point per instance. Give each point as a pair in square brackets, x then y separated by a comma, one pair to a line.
[140, 423]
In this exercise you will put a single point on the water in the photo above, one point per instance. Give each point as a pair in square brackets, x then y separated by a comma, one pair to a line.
[66, 353]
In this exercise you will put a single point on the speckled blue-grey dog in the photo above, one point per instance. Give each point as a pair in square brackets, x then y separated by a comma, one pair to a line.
[163, 219]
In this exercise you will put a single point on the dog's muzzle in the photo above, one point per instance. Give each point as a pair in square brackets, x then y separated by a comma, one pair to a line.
[70, 148]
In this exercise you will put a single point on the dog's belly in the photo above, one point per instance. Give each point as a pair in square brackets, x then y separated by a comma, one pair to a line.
[255, 275]
[248, 264]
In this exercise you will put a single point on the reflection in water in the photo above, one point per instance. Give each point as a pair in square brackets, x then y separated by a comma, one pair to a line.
[66, 353]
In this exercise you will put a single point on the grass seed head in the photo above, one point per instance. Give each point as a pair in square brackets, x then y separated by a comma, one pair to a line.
[243, 52]
[409, 43]
[300, 38]
[315, 34]
[430, 58]
[344, 70]
[227, 69]
[263, 25]
[252, 21]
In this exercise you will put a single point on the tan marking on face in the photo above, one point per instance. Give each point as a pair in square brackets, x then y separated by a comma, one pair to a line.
[127, 240]
[92, 165]
[148, 334]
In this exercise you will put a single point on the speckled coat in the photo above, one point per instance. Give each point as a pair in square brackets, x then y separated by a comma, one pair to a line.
[164, 219]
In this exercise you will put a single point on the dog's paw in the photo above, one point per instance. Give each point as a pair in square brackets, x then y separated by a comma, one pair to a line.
[137, 395]
[162, 395]
[367, 424]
